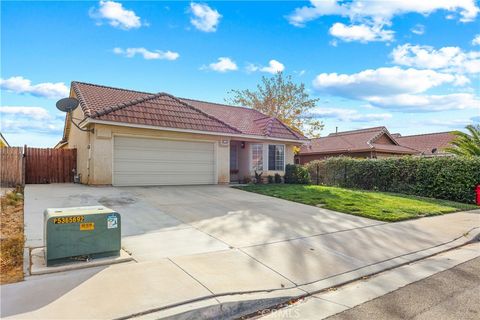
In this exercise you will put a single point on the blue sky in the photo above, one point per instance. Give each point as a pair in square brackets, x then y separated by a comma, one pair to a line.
[412, 66]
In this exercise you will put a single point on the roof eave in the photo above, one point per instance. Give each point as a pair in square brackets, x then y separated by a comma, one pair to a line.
[133, 125]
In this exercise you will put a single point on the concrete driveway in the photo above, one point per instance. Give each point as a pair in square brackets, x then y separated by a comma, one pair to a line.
[160, 222]
[216, 247]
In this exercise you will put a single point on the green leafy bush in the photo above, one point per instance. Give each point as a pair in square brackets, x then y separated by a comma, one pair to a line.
[450, 178]
[271, 179]
[278, 178]
[296, 174]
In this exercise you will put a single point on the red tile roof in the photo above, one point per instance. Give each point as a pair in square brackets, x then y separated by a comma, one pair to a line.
[164, 110]
[427, 143]
[355, 141]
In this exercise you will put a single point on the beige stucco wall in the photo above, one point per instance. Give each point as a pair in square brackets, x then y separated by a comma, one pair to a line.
[245, 156]
[102, 149]
[80, 140]
[95, 150]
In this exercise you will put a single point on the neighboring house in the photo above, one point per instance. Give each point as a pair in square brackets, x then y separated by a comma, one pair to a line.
[374, 142]
[429, 144]
[139, 138]
[3, 142]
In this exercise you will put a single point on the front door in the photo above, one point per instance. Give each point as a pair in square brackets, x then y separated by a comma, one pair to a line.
[233, 162]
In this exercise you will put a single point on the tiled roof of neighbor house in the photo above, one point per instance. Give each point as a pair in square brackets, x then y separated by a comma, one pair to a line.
[362, 140]
[429, 143]
[164, 110]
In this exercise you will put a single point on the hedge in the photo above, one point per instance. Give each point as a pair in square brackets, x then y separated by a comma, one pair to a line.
[296, 174]
[450, 178]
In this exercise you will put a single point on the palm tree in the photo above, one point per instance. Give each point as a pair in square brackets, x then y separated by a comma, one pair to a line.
[466, 144]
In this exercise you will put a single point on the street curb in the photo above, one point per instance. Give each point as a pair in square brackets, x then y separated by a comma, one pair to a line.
[240, 304]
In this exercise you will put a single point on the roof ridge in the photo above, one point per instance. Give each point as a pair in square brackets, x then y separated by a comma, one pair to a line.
[425, 134]
[109, 87]
[221, 104]
[204, 113]
[296, 134]
[357, 130]
[123, 105]
[81, 98]
[267, 128]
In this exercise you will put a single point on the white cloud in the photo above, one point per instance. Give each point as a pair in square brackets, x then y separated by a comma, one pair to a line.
[223, 64]
[36, 113]
[447, 59]
[17, 119]
[147, 55]
[427, 103]
[452, 123]
[383, 81]
[361, 32]
[398, 89]
[24, 86]
[116, 15]
[273, 67]
[204, 18]
[368, 17]
[476, 40]
[418, 29]
[349, 115]
[380, 10]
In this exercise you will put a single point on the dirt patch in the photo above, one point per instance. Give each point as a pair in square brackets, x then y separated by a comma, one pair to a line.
[11, 237]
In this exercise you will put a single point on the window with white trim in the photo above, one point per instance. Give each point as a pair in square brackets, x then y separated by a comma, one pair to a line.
[276, 157]
[257, 157]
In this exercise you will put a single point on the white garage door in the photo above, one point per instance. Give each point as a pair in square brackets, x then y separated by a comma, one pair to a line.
[143, 162]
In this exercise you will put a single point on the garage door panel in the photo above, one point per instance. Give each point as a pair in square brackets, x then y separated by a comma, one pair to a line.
[152, 180]
[142, 161]
[164, 155]
[124, 167]
[152, 144]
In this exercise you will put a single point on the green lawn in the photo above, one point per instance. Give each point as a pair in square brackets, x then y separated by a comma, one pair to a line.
[374, 205]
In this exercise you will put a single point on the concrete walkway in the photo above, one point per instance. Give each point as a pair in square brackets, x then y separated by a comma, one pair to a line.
[209, 248]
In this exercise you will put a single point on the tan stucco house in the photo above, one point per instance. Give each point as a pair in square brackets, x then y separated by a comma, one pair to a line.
[128, 138]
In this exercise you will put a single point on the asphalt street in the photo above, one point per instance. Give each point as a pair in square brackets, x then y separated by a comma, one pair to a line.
[451, 294]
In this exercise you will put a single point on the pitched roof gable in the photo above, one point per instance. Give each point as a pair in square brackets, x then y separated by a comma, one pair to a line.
[164, 110]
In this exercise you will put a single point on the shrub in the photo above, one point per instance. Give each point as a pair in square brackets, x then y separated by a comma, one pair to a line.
[270, 179]
[450, 178]
[278, 178]
[296, 174]
[258, 177]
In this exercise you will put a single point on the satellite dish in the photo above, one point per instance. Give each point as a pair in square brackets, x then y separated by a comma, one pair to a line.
[67, 104]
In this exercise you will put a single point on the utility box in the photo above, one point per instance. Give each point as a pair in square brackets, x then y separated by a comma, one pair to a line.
[81, 233]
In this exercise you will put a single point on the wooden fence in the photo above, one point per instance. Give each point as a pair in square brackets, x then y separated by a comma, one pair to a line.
[19, 166]
[46, 165]
[12, 170]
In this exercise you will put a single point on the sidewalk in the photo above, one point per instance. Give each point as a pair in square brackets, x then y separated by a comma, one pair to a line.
[444, 286]
[214, 283]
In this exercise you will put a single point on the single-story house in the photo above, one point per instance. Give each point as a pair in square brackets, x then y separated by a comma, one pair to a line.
[131, 138]
[374, 142]
[3, 141]
[428, 144]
